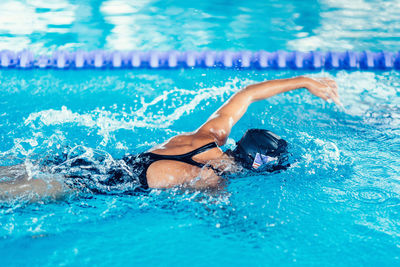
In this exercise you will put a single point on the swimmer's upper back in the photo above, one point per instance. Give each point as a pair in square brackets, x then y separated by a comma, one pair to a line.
[169, 173]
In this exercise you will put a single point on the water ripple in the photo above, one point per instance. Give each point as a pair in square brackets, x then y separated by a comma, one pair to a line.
[371, 195]
[331, 195]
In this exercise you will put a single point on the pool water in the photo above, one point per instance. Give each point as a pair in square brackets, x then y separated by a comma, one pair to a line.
[306, 25]
[339, 204]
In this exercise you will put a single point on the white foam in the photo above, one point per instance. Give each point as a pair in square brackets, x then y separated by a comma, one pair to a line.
[107, 122]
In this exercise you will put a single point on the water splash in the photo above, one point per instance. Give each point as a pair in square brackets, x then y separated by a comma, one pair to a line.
[107, 122]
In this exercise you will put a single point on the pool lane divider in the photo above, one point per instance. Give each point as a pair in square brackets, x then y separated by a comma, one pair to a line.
[102, 59]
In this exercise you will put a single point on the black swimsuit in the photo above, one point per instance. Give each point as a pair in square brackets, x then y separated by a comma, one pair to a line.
[143, 161]
[104, 176]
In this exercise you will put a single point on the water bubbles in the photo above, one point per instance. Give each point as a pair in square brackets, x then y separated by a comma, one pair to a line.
[330, 149]
[318, 154]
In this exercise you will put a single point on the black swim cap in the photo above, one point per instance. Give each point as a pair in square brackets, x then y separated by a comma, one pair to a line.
[261, 148]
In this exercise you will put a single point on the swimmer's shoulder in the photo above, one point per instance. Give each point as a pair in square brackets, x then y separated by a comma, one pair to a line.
[167, 174]
[181, 144]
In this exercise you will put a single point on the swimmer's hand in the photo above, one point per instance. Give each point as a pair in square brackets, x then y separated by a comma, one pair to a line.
[324, 88]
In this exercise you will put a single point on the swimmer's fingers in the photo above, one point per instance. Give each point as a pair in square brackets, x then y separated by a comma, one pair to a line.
[334, 96]
[319, 87]
[322, 94]
[330, 89]
[333, 85]
[328, 82]
[333, 91]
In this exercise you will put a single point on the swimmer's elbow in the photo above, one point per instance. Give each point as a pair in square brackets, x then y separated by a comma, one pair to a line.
[220, 136]
[222, 140]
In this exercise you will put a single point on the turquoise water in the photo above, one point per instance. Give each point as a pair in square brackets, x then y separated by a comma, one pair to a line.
[338, 205]
[192, 25]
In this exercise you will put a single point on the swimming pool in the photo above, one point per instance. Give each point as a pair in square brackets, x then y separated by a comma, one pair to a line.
[339, 204]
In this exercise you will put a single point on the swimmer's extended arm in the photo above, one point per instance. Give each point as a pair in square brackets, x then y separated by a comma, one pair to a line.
[219, 125]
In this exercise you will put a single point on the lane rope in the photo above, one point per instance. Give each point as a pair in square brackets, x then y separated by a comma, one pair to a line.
[102, 59]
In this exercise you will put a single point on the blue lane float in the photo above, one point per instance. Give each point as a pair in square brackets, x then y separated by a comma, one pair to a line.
[100, 59]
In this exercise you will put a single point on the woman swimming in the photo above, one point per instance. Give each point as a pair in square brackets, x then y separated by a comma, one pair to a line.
[192, 159]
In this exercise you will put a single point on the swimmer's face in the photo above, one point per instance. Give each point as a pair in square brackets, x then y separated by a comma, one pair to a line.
[262, 161]
[260, 150]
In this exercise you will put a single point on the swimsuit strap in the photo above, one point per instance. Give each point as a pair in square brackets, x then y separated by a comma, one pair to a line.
[148, 158]
[187, 157]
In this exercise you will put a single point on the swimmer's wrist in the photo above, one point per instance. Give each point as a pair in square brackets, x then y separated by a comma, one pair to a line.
[303, 82]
